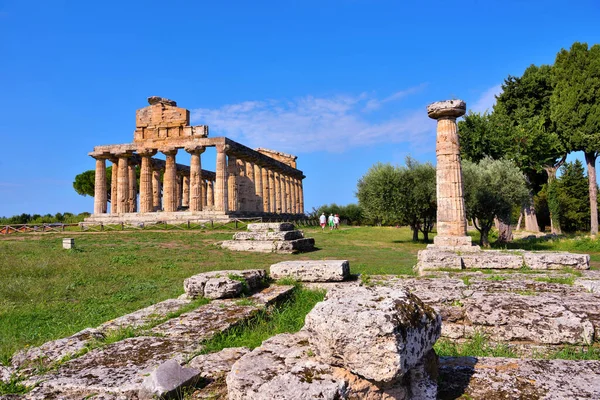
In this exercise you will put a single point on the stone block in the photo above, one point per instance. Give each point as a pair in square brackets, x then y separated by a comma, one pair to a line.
[492, 259]
[556, 260]
[271, 226]
[5, 374]
[68, 243]
[145, 315]
[379, 333]
[270, 246]
[215, 365]
[168, 380]
[262, 235]
[311, 270]
[432, 259]
[223, 284]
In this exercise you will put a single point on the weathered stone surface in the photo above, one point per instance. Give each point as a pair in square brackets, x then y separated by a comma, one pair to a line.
[262, 246]
[272, 294]
[311, 270]
[378, 333]
[55, 350]
[282, 369]
[145, 315]
[5, 374]
[556, 260]
[167, 380]
[446, 108]
[262, 235]
[432, 259]
[510, 378]
[118, 368]
[152, 100]
[223, 284]
[492, 259]
[271, 226]
[592, 286]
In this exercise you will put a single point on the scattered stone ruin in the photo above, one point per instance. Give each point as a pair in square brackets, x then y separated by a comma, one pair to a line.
[246, 182]
[270, 238]
[452, 247]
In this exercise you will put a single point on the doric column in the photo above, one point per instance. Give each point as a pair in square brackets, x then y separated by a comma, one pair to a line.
[179, 189]
[282, 194]
[156, 190]
[210, 194]
[204, 194]
[241, 185]
[294, 195]
[278, 205]
[185, 195]
[123, 184]
[100, 191]
[232, 183]
[146, 193]
[451, 217]
[258, 188]
[272, 197]
[170, 181]
[266, 197]
[196, 181]
[132, 198]
[250, 191]
[114, 186]
[220, 191]
[301, 195]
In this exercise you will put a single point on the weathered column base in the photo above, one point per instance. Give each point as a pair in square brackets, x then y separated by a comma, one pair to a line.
[454, 243]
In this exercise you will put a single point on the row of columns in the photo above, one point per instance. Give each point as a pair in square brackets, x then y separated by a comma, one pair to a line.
[239, 185]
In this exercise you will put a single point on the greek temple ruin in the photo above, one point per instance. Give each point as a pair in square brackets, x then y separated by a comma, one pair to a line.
[245, 183]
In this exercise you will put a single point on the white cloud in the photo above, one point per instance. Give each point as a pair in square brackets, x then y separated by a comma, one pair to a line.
[487, 100]
[316, 123]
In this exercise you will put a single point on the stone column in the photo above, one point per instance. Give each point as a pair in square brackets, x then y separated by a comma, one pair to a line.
[265, 193]
[232, 183]
[146, 192]
[294, 191]
[156, 190]
[185, 200]
[258, 188]
[277, 177]
[250, 190]
[210, 194]
[451, 217]
[170, 181]
[123, 184]
[272, 198]
[196, 182]
[284, 191]
[301, 196]
[100, 191]
[114, 186]
[179, 190]
[220, 191]
[204, 195]
[132, 198]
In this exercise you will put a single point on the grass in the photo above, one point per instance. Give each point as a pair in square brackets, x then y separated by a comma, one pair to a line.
[287, 317]
[567, 280]
[575, 353]
[477, 346]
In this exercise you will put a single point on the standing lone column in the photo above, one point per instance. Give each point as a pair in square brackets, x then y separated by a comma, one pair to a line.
[170, 181]
[196, 181]
[220, 191]
[451, 217]
[100, 194]
[146, 176]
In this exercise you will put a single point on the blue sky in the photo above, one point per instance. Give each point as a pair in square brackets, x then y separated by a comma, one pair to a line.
[341, 84]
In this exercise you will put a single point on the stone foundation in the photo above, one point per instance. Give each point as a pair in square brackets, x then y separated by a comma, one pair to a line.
[270, 238]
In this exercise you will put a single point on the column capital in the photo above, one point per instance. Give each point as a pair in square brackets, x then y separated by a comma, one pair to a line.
[447, 109]
[168, 151]
[196, 149]
[145, 152]
[222, 148]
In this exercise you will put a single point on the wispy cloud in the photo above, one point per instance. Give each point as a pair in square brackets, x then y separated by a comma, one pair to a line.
[312, 123]
[487, 100]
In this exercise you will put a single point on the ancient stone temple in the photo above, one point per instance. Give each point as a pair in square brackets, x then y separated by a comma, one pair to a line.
[245, 182]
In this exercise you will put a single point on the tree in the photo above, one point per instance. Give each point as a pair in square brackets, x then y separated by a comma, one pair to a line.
[573, 197]
[85, 182]
[492, 188]
[403, 195]
[575, 108]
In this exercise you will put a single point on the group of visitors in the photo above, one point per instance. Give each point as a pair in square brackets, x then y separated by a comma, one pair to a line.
[333, 221]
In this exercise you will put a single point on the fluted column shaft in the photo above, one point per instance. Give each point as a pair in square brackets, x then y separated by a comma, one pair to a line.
[232, 183]
[210, 194]
[258, 188]
[301, 196]
[114, 186]
[123, 185]
[265, 192]
[278, 204]
[132, 198]
[170, 182]
[250, 190]
[294, 194]
[272, 197]
[185, 200]
[156, 191]
[146, 178]
[196, 181]
[220, 191]
[100, 191]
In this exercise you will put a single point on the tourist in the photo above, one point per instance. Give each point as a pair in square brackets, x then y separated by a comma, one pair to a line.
[323, 221]
[330, 221]
[336, 221]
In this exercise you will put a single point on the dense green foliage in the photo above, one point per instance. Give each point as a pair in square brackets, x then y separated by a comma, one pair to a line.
[402, 195]
[573, 197]
[351, 214]
[84, 182]
[492, 189]
[65, 218]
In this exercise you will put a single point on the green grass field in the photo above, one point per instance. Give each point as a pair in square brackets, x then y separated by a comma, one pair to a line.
[47, 292]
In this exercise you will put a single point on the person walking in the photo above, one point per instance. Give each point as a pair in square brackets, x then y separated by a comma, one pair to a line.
[336, 221]
[323, 221]
[330, 221]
